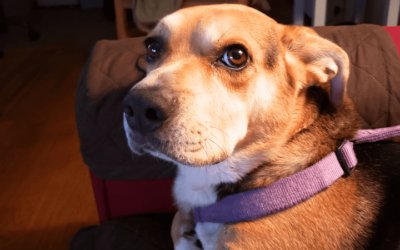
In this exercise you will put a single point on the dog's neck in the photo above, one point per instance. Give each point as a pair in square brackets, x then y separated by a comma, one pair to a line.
[322, 129]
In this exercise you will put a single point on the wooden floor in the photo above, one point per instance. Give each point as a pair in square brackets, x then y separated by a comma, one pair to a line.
[45, 188]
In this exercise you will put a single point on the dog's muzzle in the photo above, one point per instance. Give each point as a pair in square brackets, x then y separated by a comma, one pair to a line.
[142, 115]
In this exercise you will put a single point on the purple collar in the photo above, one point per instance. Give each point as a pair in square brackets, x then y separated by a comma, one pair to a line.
[291, 190]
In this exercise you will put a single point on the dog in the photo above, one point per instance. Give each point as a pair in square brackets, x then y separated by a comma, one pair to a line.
[237, 102]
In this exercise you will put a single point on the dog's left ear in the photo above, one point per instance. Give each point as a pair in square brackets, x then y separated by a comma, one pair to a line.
[315, 60]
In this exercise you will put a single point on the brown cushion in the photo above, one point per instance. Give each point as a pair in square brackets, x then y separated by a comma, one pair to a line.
[374, 82]
[114, 65]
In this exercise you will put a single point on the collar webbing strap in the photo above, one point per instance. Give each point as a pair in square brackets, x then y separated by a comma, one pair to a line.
[278, 196]
[291, 190]
[373, 135]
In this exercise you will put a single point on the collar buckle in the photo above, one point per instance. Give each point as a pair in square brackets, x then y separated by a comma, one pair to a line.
[342, 160]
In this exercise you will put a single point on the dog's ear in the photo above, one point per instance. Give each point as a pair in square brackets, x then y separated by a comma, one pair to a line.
[314, 60]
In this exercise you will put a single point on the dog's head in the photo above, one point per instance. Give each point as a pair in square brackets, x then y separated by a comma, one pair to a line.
[227, 83]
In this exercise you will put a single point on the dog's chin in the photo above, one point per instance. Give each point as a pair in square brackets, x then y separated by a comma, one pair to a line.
[189, 160]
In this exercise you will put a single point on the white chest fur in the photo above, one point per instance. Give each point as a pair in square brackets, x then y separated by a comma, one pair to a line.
[195, 186]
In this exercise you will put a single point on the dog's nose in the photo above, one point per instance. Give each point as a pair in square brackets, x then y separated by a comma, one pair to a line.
[142, 115]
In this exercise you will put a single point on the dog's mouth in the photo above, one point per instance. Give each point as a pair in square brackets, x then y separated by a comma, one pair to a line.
[192, 153]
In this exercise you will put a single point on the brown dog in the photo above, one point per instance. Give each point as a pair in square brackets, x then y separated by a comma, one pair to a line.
[238, 101]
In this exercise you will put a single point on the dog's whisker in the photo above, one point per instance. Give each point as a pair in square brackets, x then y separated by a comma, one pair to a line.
[221, 131]
[211, 149]
[208, 157]
[219, 147]
[215, 127]
[226, 154]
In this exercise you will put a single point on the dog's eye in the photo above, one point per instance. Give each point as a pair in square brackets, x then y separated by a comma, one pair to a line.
[235, 57]
[153, 50]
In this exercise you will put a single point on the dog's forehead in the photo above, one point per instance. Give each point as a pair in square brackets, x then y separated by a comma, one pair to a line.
[207, 26]
[209, 32]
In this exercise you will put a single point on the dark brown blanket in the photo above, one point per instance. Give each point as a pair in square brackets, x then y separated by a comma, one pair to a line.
[115, 66]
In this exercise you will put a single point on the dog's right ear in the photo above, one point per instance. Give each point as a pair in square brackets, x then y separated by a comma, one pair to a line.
[315, 60]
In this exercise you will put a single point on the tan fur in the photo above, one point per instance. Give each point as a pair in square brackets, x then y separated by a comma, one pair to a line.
[283, 112]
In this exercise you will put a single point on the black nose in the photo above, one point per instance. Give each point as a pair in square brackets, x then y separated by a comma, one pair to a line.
[142, 115]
